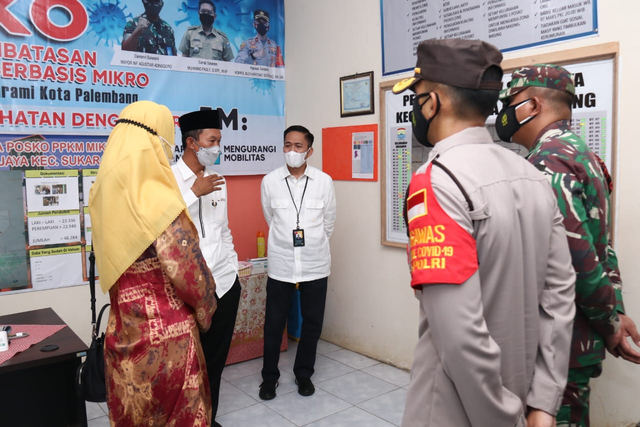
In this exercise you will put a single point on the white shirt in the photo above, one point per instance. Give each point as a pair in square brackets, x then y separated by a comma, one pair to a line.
[317, 218]
[209, 214]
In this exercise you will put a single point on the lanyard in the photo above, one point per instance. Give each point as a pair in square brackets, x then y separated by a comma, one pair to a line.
[294, 202]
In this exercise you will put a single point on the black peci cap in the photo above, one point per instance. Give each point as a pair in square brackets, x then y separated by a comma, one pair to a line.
[203, 119]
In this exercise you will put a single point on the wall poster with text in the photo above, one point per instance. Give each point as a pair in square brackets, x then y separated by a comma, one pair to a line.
[68, 67]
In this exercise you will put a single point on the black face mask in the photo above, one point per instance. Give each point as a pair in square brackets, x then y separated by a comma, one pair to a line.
[152, 9]
[419, 124]
[206, 20]
[262, 29]
[507, 123]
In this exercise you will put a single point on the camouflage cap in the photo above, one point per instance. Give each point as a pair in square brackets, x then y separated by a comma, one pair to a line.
[454, 62]
[539, 75]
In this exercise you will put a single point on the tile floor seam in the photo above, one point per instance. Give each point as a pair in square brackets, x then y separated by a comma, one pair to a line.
[328, 416]
[241, 409]
[375, 415]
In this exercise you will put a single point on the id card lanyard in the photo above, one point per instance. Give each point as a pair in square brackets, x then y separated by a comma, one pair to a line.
[298, 233]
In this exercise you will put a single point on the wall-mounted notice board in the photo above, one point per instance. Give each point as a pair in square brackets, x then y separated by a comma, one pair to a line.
[595, 70]
[350, 153]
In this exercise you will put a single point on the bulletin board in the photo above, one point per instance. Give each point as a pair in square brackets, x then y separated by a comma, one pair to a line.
[594, 119]
[350, 153]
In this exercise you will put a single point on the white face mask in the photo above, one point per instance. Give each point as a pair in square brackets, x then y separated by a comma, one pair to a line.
[208, 156]
[168, 150]
[295, 159]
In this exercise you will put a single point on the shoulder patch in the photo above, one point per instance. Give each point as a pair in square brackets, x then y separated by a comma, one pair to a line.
[440, 251]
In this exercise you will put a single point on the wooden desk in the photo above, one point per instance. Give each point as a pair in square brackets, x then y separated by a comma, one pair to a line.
[38, 388]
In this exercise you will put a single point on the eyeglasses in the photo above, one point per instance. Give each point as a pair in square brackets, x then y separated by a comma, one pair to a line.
[207, 12]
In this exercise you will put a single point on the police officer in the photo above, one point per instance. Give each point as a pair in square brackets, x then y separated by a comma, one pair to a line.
[260, 50]
[489, 260]
[204, 41]
[537, 115]
[148, 33]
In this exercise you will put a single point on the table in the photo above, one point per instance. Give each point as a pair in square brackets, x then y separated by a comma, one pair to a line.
[248, 335]
[38, 388]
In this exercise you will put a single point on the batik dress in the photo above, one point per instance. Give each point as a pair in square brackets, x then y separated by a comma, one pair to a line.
[155, 369]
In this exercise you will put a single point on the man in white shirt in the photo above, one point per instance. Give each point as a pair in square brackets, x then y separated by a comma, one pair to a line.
[205, 194]
[299, 205]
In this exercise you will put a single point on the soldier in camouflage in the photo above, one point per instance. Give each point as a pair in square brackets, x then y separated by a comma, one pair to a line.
[537, 114]
[148, 33]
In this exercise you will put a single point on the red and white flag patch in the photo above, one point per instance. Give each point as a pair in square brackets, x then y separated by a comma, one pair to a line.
[417, 205]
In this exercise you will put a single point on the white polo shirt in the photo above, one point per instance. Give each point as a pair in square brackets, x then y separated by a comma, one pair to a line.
[209, 214]
[317, 218]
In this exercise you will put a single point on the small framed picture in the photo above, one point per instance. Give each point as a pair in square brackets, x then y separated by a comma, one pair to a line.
[356, 94]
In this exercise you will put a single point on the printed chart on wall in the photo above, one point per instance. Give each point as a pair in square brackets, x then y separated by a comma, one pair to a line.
[507, 24]
[67, 69]
[592, 120]
[592, 117]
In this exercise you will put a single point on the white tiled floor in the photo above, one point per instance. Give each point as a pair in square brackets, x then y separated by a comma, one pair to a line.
[351, 391]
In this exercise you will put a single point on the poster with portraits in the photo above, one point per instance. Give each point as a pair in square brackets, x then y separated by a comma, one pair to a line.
[68, 67]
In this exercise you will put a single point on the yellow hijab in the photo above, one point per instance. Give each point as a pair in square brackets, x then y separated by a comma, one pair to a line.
[135, 196]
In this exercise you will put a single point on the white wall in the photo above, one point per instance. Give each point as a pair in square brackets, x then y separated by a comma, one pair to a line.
[370, 307]
[72, 304]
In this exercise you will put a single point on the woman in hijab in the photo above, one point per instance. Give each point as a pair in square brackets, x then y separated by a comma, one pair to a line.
[160, 288]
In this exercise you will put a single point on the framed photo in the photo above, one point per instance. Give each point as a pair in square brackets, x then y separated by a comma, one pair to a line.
[356, 95]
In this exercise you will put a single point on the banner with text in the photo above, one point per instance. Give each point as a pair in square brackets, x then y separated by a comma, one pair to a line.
[68, 67]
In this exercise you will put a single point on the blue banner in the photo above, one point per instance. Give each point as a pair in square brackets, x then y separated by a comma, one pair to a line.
[67, 69]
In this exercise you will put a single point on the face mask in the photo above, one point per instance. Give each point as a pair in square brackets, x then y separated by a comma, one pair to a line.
[208, 156]
[507, 124]
[206, 20]
[262, 29]
[295, 159]
[419, 124]
[168, 148]
[153, 9]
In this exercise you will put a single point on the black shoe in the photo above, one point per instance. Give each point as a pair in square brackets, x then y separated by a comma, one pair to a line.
[268, 390]
[214, 423]
[305, 386]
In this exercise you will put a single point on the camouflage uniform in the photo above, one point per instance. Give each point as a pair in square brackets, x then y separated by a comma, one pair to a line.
[197, 44]
[157, 38]
[580, 186]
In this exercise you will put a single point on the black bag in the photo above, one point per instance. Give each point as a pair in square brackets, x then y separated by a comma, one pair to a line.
[90, 375]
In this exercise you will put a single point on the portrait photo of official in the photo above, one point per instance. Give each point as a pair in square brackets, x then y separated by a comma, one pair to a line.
[204, 40]
[148, 32]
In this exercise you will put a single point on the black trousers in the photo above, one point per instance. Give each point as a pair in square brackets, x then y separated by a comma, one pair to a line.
[313, 296]
[217, 340]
